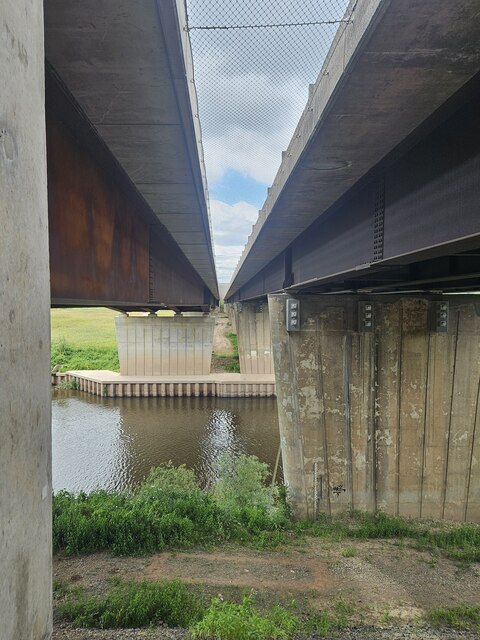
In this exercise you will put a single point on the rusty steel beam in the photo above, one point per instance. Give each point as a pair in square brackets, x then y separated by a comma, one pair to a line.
[106, 245]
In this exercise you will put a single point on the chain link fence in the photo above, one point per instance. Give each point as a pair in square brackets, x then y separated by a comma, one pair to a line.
[253, 61]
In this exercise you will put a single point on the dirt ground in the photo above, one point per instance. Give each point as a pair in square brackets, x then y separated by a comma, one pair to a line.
[389, 587]
[221, 344]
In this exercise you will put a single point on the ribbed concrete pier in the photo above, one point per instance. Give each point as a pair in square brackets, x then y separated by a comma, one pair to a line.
[165, 346]
[252, 327]
[378, 404]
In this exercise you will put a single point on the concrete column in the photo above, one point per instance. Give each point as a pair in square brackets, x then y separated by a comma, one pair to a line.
[254, 341]
[165, 346]
[231, 313]
[382, 415]
[25, 449]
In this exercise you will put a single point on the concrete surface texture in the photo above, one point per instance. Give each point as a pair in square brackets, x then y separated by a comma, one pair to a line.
[25, 450]
[129, 66]
[254, 342]
[384, 418]
[168, 346]
[391, 65]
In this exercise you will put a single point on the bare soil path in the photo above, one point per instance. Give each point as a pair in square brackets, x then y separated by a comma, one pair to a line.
[221, 344]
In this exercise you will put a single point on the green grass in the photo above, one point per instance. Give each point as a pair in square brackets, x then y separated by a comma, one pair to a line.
[70, 358]
[84, 339]
[229, 621]
[459, 542]
[460, 617]
[84, 327]
[229, 362]
[170, 511]
[234, 342]
[129, 604]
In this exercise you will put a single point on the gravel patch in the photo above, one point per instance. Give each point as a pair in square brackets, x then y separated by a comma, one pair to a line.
[409, 632]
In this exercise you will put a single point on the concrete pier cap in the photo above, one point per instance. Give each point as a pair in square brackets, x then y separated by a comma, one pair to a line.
[378, 404]
[165, 346]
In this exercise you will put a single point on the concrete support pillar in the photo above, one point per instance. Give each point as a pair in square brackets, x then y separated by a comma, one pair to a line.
[165, 346]
[231, 313]
[254, 341]
[25, 449]
[378, 404]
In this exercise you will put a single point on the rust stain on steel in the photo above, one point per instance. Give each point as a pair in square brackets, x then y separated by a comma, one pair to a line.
[105, 243]
[98, 244]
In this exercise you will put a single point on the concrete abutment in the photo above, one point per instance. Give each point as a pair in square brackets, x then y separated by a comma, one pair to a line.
[378, 404]
[25, 440]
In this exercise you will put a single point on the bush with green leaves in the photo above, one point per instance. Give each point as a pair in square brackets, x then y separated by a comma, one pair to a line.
[131, 604]
[167, 512]
[170, 511]
[229, 621]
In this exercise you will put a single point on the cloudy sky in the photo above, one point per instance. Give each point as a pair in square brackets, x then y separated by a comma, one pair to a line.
[252, 86]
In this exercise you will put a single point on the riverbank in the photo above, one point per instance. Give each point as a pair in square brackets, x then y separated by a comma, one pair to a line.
[229, 563]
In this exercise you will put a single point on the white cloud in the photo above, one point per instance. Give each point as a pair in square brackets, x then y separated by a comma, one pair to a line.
[252, 87]
[232, 224]
[253, 154]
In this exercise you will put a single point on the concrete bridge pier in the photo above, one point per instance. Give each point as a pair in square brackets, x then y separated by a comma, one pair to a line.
[25, 441]
[378, 404]
[254, 341]
[165, 346]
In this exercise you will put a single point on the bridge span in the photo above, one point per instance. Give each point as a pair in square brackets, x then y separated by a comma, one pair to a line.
[370, 227]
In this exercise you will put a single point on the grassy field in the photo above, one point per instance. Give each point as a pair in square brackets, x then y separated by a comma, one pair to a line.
[84, 339]
[93, 327]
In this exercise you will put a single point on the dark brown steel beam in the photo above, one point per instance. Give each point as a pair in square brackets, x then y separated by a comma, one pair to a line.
[106, 245]
[417, 208]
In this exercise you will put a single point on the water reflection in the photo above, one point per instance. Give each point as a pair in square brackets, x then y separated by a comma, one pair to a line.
[113, 442]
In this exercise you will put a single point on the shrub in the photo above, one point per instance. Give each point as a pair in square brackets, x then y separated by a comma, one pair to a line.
[133, 604]
[227, 621]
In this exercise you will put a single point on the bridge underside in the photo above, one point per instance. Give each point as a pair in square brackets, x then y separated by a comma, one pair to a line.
[106, 245]
[411, 224]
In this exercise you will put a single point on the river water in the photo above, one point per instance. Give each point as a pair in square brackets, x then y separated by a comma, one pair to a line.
[113, 442]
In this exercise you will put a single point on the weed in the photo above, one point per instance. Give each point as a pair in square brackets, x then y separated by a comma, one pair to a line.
[231, 362]
[68, 385]
[234, 341]
[386, 616]
[133, 604]
[152, 520]
[71, 358]
[232, 367]
[170, 511]
[460, 617]
[343, 611]
[228, 621]
[460, 542]
[60, 588]
[168, 477]
[321, 624]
